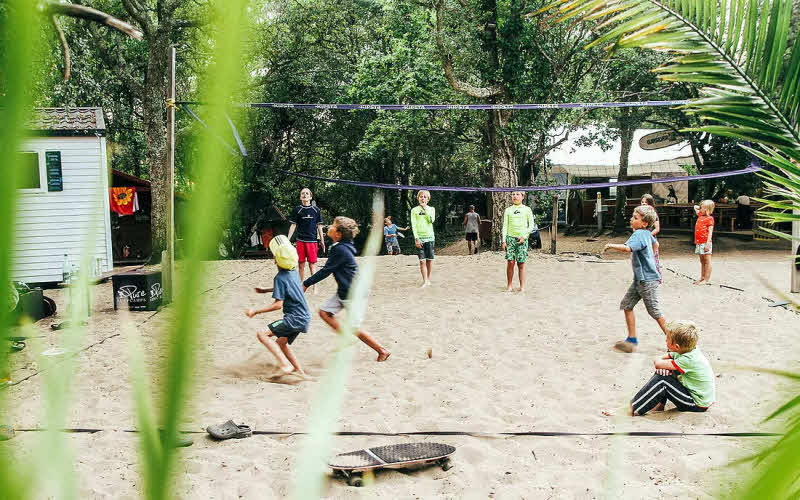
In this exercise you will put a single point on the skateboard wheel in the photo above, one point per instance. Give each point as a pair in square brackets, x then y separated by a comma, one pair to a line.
[446, 465]
[355, 481]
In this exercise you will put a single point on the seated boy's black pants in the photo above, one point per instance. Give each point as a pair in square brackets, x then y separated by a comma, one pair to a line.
[660, 389]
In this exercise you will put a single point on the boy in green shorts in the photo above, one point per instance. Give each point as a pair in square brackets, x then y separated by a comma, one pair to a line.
[517, 225]
[422, 217]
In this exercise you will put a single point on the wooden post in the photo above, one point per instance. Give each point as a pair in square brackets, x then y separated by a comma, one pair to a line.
[554, 226]
[795, 254]
[168, 264]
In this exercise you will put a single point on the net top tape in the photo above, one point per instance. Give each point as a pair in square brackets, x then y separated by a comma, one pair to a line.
[564, 187]
[444, 107]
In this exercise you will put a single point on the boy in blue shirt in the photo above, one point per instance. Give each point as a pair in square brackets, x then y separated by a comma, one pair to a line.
[643, 247]
[390, 234]
[342, 264]
[288, 296]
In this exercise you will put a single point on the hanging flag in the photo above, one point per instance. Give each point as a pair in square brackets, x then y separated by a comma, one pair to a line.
[122, 200]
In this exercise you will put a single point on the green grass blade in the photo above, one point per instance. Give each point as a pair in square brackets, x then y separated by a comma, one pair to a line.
[311, 464]
[20, 24]
[207, 205]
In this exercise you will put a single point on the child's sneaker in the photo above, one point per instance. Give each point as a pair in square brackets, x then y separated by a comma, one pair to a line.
[626, 345]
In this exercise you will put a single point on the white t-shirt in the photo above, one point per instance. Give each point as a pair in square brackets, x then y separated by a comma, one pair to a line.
[743, 200]
[472, 222]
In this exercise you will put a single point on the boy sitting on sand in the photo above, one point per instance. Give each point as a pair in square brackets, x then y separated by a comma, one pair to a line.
[683, 375]
[646, 277]
[342, 263]
[289, 297]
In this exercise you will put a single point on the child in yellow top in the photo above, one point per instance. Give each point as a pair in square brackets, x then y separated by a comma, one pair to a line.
[422, 217]
[517, 226]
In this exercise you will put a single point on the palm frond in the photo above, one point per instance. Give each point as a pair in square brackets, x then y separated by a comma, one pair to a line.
[738, 56]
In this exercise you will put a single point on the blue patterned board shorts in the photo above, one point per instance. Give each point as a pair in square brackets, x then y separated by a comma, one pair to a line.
[515, 250]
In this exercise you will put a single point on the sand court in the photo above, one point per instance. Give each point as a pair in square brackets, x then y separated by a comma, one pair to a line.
[500, 362]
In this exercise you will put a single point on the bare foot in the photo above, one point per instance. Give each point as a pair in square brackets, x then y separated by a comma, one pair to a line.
[521, 290]
[384, 355]
[699, 282]
[287, 369]
[609, 413]
[509, 289]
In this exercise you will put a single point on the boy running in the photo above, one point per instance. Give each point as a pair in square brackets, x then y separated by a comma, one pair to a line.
[289, 297]
[642, 247]
[342, 264]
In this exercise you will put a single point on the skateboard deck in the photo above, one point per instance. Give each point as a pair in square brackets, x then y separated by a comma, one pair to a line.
[352, 465]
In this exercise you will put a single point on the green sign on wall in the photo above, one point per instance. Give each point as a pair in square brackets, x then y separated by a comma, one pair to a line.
[52, 160]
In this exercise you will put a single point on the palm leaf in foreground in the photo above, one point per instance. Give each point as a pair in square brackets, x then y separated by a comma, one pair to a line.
[737, 50]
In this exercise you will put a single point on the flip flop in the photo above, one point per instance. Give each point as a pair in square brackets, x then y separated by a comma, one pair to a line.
[229, 430]
[6, 433]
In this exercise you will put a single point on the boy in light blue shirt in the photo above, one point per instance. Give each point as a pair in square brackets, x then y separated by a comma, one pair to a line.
[642, 246]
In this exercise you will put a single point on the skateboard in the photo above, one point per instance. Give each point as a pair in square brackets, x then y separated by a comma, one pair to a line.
[352, 465]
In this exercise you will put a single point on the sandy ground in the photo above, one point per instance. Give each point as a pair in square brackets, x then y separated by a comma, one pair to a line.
[540, 361]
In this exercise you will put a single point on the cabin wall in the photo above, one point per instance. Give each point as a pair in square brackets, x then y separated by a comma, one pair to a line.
[51, 224]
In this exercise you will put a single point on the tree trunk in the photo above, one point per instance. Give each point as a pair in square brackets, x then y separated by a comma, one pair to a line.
[156, 154]
[504, 169]
[626, 136]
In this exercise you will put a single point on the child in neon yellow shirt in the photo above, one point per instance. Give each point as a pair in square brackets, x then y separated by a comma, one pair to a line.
[517, 226]
[422, 217]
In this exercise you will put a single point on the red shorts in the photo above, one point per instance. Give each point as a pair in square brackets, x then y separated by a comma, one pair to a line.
[307, 252]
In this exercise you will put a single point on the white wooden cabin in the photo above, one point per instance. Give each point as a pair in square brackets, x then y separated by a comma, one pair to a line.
[64, 212]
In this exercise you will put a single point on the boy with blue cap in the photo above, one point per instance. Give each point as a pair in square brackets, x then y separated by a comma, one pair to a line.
[288, 296]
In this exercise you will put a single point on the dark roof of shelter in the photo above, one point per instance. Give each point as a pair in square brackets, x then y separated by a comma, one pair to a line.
[68, 121]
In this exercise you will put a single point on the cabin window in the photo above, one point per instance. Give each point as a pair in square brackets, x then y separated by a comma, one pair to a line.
[29, 175]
